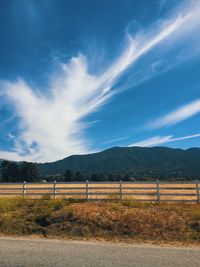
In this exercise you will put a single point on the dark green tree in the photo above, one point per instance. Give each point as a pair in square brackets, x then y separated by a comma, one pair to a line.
[112, 177]
[10, 171]
[28, 171]
[68, 176]
[79, 177]
[99, 177]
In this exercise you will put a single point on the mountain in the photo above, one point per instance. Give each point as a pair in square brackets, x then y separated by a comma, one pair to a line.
[157, 162]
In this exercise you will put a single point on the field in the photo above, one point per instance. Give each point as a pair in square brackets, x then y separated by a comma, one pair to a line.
[138, 191]
[127, 220]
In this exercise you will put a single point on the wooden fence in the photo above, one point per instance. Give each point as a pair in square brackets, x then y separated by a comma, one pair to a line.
[158, 191]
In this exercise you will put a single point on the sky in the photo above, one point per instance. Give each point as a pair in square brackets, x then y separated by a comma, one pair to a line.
[78, 77]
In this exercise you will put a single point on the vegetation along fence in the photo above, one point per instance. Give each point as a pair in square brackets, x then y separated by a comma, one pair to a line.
[137, 191]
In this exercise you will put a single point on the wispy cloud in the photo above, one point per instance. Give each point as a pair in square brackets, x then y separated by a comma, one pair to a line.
[51, 124]
[115, 140]
[158, 140]
[176, 116]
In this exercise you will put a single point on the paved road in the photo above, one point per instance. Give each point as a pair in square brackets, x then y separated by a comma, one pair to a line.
[53, 253]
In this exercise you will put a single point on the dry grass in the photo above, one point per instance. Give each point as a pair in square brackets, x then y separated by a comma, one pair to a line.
[98, 188]
[122, 220]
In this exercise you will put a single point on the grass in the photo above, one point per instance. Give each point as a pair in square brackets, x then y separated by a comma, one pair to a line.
[125, 220]
[112, 194]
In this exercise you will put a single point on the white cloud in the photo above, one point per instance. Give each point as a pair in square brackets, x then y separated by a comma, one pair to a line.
[153, 141]
[158, 140]
[177, 115]
[115, 140]
[51, 124]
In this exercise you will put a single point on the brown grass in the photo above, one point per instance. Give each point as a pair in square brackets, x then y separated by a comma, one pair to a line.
[104, 188]
[122, 220]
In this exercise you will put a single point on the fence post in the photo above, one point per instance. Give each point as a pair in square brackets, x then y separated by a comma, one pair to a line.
[120, 189]
[158, 190]
[24, 189]
[87, 190]
[54, 189]
[198, 191]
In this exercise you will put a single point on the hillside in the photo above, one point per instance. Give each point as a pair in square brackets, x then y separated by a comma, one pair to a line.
[158, 162]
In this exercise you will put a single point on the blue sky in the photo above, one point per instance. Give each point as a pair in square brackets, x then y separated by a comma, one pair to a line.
[78, 76]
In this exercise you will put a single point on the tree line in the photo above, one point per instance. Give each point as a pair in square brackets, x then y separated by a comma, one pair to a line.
[27, 171]
[70, 176]
[18, 172]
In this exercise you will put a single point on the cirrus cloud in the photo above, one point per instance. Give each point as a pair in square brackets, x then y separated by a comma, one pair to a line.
[158, 140]
[183, 113]
[52, 123]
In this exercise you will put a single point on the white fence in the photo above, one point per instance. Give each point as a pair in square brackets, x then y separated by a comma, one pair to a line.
[138, 191]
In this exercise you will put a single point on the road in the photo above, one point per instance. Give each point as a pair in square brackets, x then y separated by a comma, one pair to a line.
[55, 253]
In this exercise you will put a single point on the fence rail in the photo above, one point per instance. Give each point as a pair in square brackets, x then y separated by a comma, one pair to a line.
[159, 191]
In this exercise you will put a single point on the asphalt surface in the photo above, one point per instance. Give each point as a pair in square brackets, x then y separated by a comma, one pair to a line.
[52, 253]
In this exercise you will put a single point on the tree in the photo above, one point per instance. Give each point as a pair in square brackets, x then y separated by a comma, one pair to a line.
[115, 177]
[28, 171]
[98, 177]
[10, 171]
[94, 177]
[69, 176]
[18, 172]
[79, 177]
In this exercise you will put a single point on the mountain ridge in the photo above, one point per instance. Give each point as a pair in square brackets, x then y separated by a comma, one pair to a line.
[155, 160]
[127, 162]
